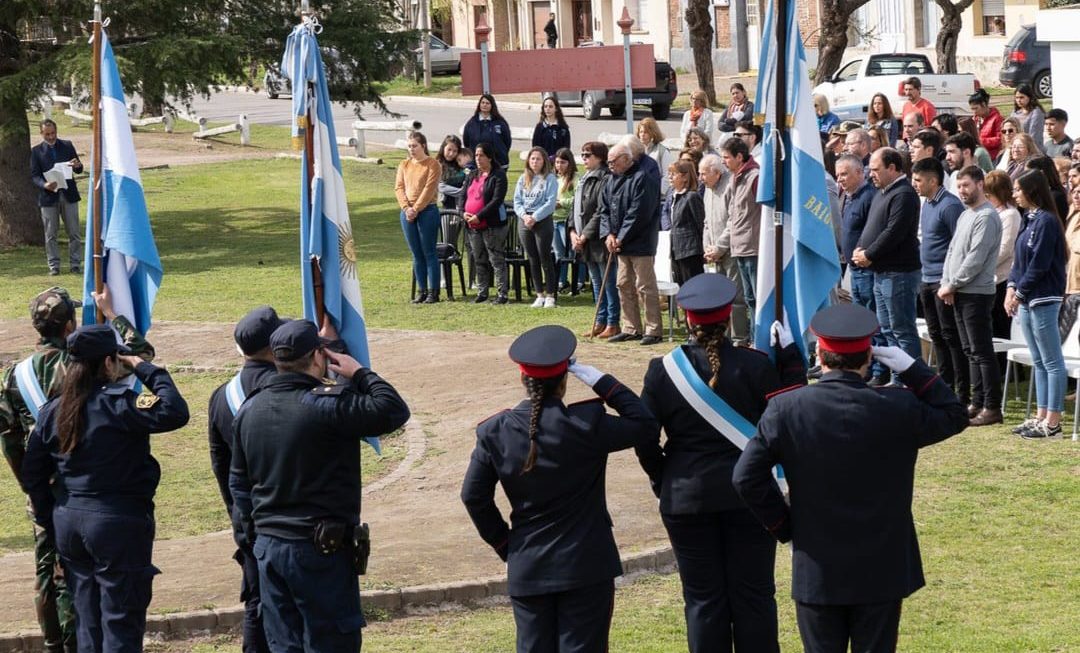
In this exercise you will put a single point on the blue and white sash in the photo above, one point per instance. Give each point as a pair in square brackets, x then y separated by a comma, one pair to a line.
[234, 394]
[30, 387]
[712, 408]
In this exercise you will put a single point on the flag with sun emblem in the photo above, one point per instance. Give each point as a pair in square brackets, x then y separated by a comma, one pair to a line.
[325, 231]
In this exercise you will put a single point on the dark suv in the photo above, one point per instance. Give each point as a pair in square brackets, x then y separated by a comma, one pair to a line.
[1027, 61]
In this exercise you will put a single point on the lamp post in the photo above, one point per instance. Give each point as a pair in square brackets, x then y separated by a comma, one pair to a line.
[624, 23]
[482, 31]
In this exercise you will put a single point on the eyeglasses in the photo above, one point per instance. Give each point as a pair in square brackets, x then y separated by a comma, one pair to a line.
[586, 155]
[613, 160]
[1008, 131]
[741, 134]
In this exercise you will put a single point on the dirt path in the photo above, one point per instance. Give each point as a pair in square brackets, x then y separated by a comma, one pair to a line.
[420, 530]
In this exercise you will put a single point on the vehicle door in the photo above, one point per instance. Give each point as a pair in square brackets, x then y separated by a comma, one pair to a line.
[845, 84]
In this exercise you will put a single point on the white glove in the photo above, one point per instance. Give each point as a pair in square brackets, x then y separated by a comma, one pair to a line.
[587, 374]
[780, 333]
[894, 358]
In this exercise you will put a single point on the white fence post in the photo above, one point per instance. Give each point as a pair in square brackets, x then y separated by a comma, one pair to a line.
[245, 130]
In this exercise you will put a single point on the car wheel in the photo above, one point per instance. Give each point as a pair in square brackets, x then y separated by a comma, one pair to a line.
[618, 110]
[271, 92]
[1042, 86]
[588, 107]
[661, 111]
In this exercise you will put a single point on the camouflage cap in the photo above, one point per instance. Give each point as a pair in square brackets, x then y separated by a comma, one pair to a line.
[52, 307]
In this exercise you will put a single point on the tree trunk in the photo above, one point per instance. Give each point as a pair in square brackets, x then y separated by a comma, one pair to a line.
[20, 220]
[832, 40]
[701, 42]
[951, 23]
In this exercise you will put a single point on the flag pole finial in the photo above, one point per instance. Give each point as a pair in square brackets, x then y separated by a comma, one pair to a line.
[97, 11]
[305, 8]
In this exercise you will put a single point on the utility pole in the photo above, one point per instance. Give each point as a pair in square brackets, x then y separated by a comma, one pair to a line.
[425, 39]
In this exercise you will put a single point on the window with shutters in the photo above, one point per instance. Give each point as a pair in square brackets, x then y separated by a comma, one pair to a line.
[638, 11]
[993, 17]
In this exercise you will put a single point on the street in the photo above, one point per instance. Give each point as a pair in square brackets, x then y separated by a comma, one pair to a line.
[438, 117]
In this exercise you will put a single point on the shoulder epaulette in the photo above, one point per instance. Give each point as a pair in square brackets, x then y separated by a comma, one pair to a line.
[783, 390]
[329, 390]
[116, 389]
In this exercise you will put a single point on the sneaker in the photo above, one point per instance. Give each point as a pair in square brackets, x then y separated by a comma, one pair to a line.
[481, 298]
[538, 302]
[1042, 431]
[564, 287]
[500, 300]
[1026, 425]
[549, 302]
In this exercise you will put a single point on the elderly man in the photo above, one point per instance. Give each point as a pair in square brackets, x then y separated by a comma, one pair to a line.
[912, 123]
[858, 144]
[717, 236]
[630, 225]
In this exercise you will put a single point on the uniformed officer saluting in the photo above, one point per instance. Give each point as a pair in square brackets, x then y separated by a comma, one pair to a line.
[95, 439]
[23, 392]
[708, 396]
[295, 482]
[252, 335]
[551, 461]
[848, 451]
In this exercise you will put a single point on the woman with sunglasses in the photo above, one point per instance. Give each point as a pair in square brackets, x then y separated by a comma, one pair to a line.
[1010, 127]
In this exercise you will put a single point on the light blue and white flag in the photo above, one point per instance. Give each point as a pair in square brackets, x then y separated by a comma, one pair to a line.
[811, 264]
[325, 231]
[131, 266]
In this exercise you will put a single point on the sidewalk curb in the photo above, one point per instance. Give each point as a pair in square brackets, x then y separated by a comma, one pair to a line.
[178, 624]
[468, 103]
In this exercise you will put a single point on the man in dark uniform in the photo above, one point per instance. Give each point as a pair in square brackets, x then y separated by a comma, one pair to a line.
[848, 451]
[53, 316]
[295, 483]
[252, 335]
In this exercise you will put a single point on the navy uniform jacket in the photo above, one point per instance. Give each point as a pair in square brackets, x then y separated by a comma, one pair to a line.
[848, 452]
[691, 473]
[559, 537]
[42, 159]
[111, 468]
[220, 423]
[296, 450]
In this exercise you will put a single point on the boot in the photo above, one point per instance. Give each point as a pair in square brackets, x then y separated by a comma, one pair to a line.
[432, 297]
[421, 298]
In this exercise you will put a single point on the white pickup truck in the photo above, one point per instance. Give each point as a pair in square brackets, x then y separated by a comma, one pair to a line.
[851, 88]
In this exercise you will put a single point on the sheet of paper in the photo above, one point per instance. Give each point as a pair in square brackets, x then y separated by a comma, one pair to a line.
[56, 176]
[65, 169]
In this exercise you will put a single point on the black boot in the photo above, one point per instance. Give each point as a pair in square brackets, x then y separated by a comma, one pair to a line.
[432, 297]
[419, 299]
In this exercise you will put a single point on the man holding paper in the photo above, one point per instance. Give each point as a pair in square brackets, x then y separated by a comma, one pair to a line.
[53, 164]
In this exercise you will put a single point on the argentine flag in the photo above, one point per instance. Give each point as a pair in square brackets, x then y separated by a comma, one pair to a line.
[325, 231]
[131, 266]
[811, 264]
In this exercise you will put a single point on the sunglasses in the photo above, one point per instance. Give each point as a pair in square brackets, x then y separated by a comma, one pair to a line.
[586, 155]
[1008, 131]
[741, 134]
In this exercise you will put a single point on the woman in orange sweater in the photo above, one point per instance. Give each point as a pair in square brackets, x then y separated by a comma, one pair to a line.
[416, 189]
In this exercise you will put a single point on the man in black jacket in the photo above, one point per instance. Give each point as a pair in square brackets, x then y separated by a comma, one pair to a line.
[295, 482]
[551, 31]
[630, 227]
[57, 201]
[889, 247]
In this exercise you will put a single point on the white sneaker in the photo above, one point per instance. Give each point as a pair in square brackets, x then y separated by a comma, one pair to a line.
[549, 302]
[538, 303]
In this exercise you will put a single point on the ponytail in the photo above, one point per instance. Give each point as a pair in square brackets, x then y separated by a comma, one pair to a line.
[539, 390]
[710, 337]
[80, 377]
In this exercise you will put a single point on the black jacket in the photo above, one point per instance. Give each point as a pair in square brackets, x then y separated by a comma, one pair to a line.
[630, 209]
[494, 131]
[494, 211]
[691, 473]
[560, 535]
[848, 452]
[296, 451]
[551, 137]
[891, 234]
[591, 186]
[687, 225]
[42, 159]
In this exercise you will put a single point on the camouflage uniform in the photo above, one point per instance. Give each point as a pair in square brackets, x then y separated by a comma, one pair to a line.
[55, 612]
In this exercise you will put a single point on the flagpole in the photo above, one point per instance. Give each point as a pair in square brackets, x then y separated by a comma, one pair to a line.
[96, 159]
[309, 154]
[780, 124]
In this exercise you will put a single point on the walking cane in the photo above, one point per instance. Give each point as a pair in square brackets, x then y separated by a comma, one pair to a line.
[600, 296]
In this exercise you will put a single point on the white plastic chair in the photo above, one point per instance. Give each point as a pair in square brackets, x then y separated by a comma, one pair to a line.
[1070, 348]
[664, 285]
[924, 335]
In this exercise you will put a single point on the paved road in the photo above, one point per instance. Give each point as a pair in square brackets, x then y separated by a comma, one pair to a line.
[438, 118]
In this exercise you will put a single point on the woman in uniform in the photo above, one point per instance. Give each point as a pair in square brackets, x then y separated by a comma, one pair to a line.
[550, 459]
[94, 438]
[707, 397]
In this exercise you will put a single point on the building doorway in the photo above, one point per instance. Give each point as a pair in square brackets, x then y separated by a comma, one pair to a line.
[753, 33]
[583, 28]
[540, 13]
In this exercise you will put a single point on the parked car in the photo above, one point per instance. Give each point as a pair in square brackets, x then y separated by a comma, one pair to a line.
[658, 98]
[445, 58]
[1027, 61]
[851, 88]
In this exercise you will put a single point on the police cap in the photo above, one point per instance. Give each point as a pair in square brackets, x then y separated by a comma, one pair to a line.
[544, 352]
[93, 342]
[707, 298]
[295, 339]
[253, 331]
[844, 328]
[52, 307]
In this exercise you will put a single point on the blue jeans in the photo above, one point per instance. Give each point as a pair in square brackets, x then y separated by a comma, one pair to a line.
[561, 242]
[421, 235]
[609, 308]
[748, 276]
[862, 293]
[895, 294]
[1040, 325]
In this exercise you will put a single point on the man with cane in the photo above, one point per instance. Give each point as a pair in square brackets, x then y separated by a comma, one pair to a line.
[585, 239]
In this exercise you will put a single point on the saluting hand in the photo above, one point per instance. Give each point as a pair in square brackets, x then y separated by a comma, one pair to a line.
[894, 358]
[342, 364]
[587, 374]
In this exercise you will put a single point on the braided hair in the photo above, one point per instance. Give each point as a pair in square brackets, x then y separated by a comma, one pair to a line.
[711, 337]
[539, 390]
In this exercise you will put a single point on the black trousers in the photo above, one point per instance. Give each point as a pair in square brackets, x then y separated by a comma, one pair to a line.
[1001, 320]
[941, 323]
[537, 244]
[726, 564]
[574, 621]
[684, 269]
[871, 628]
[974, 320]
[254, 640]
